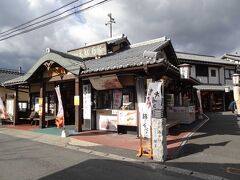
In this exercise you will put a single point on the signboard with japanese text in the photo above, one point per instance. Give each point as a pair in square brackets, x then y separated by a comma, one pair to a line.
[107, 121]
[105, 82]
[153, 107]
[117, 99]
[127, 117]
[90, 51]
[87, 101]
[144, 120]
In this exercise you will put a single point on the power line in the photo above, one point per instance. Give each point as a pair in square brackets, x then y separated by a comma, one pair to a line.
[55, 20]
[39, 17]
[52, 17]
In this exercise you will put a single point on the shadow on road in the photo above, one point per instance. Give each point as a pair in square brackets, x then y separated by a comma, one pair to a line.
[103, 169]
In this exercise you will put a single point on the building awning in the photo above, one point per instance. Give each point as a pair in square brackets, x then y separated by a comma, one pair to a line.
[212, 87]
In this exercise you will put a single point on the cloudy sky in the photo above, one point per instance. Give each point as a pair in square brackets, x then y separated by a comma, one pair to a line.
[199, 26]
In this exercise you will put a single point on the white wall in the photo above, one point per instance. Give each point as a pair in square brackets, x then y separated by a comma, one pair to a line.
[193, 71]
[221, 75]
[228, 82]
[203, 79]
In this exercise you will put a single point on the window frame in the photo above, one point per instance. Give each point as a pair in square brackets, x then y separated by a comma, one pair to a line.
[213, 74]
[229, 74]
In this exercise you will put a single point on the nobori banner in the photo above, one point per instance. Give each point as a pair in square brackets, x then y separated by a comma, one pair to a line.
[153, 108]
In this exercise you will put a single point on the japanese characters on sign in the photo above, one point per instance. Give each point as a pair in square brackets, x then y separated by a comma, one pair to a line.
[87, 101]
[90, 51]
[127, 117]
[153, 107]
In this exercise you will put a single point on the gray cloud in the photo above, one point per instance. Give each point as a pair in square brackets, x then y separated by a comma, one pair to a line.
[198, 26]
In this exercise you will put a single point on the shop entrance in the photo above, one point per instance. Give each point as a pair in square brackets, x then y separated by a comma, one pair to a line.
[213, 101]
[67, 93]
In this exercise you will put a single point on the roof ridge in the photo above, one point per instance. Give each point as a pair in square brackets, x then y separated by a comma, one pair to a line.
[234, 55]
[164, 38]
[11, 71]
[66, 55]
[178, 52]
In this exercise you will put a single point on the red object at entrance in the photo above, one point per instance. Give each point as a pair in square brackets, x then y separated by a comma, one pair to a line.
[59, 121]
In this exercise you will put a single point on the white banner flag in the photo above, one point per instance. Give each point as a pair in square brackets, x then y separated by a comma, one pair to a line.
[152, 107]
[60, 115]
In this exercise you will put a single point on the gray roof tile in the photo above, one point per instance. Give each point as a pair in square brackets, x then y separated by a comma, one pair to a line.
[130, 57]
[6, 74]
[188, 57]
[212, 87]
[72, 63]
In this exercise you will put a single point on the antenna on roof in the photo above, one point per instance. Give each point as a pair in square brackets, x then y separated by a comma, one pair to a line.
[110, 22]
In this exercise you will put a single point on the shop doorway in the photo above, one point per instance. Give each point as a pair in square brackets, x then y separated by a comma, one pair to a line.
[213, 101]
[67, 93]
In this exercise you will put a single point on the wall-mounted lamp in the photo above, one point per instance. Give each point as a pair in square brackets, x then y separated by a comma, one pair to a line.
[235, 79]
[185, 71]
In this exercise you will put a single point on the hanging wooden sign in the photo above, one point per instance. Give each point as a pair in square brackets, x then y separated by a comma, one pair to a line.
[56, 71]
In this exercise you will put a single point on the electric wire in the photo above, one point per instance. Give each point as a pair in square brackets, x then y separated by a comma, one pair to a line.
[39, 17]
[38, 22]
[55, 20]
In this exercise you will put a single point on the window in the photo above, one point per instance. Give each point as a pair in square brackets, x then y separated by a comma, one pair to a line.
[22, 106]
[114, 99]
[213, 73]
[228, 73]
[201, 70]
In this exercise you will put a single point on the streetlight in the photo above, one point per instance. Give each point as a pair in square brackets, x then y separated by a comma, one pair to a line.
[235, 79]
[236, 92]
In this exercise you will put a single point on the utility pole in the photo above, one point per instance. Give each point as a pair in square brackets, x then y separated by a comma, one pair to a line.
[110, 22]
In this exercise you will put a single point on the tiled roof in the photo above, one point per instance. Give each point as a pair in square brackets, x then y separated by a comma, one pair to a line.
[212, 87]
[7, 74]
[145, 53]
[203, 59]
[72, 63]
[231, 57]
[131, 57]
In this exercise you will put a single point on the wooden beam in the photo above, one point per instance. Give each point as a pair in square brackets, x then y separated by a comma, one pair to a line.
[78, 108]
[61, 78]
[16, 108]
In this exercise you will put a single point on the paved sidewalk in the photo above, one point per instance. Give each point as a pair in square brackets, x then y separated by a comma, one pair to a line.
[126, 145]
[214, 149]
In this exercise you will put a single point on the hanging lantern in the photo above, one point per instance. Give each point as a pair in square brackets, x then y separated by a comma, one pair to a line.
[227, 89]
[185, 71]
[236, 78]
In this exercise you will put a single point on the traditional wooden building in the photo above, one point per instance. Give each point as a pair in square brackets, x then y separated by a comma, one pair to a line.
[9, 97]
[215, 75]
[103, 83]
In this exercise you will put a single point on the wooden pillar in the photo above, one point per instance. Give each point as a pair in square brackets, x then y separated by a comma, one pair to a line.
[16, 108]
[29, 98]
[78, 107]
[42, 102]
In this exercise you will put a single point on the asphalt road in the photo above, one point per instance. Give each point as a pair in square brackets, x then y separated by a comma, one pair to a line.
[26, 159]
[214, 149]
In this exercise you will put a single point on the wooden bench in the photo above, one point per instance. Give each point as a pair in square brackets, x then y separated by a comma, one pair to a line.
[47, 119]
[6, 121]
